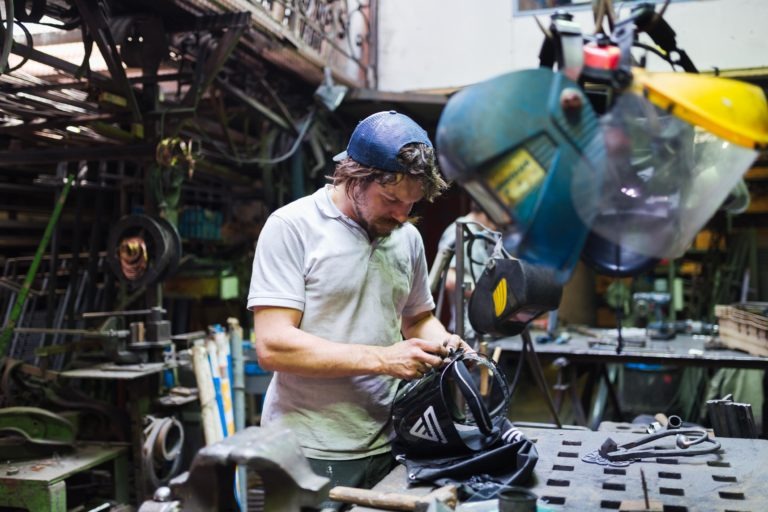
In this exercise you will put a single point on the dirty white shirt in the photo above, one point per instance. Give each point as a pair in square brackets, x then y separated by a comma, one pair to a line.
[313, 258]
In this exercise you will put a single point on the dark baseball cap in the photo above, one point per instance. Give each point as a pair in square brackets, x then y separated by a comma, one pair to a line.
[378, 138]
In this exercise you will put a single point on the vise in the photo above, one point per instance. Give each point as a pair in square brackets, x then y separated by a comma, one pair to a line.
[278, 476]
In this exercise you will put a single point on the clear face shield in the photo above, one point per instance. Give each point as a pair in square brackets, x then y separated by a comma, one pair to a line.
[663, 178]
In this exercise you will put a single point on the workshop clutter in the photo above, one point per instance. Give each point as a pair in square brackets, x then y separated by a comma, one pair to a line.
[213, 366]
[648, 387]
[199, 223]
[744, 326]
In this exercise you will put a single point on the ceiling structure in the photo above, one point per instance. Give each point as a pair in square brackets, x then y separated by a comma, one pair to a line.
[212, 97]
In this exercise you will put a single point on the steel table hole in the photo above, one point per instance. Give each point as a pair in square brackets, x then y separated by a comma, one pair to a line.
[723, 478]
[558, 483]
[731, 495]
[560, 467]
[614, 471]
[554, 500]
[610, 486]
[667, 461]
[571, 443]
[718, 464]
[675, 508]
[610, 504]
[571, 455]
[672, 491]
[673, 476]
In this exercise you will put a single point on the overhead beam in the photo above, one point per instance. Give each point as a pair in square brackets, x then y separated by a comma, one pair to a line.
[93, 16]
[39, 156]
[208, 67]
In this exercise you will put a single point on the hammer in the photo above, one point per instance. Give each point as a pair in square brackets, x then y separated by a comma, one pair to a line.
[394, 501]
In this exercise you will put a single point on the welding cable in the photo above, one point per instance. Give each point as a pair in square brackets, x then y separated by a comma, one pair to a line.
[163, 441]
[133, 257]
[268, 161]
[30, 43]
[8, 36]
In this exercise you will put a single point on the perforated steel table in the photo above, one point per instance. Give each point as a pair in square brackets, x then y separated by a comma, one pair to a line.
[728, 481]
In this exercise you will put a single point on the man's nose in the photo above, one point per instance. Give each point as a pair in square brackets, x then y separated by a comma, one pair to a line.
[401, 213]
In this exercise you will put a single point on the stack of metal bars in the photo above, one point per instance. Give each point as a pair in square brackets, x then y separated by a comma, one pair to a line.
[731, 419]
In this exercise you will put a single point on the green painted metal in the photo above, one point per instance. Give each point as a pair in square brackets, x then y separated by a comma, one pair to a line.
[37, 425]
[39, 485]
[7, 334]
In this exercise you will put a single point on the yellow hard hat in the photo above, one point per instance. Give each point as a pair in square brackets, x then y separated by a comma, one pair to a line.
[733, 110]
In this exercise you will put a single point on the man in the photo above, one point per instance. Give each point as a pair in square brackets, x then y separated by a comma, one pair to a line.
[339, 279]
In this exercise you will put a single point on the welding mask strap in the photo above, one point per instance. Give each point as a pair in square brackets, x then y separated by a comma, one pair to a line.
[470, 392]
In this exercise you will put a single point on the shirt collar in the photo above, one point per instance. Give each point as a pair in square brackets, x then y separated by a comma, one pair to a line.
[325, 203]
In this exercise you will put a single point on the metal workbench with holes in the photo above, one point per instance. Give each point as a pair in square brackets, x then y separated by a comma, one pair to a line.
[730, 480]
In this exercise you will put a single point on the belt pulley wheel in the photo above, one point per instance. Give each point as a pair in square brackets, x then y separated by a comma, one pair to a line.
[143, 250]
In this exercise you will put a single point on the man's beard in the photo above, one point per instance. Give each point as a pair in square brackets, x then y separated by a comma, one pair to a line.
[377, 228]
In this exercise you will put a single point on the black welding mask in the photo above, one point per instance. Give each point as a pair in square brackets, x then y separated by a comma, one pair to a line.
[458, 408]
[510, 294]
[451, 427]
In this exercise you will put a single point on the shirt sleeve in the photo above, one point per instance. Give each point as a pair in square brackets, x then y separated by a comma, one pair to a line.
[420, 299]
[277, 278]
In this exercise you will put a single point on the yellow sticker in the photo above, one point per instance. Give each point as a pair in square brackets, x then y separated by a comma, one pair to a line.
[500, 297]
[516, 176]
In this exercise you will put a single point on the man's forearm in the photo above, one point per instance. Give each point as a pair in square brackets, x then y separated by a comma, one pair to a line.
[290, 349]
[426, 327]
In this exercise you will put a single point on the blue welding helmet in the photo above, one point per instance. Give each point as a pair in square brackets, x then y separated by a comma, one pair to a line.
[459, 408]
[515, 147]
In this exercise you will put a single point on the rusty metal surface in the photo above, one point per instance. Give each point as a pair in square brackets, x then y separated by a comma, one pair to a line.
[59, 466]
[729, 480]
[116, 372]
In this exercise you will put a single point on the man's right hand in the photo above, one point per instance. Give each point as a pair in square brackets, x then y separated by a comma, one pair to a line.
[412, 358]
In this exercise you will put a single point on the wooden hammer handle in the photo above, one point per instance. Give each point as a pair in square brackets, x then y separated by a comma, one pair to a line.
[369, 498]
[391, 500]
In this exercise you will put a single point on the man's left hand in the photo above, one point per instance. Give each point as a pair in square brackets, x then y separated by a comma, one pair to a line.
[454, 342]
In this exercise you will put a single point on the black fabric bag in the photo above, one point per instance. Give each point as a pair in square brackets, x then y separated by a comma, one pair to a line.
[446, 431]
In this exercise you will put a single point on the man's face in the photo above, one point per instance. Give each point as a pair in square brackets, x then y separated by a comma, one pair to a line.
[380, 209]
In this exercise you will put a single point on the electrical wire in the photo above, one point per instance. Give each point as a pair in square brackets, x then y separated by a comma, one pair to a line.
[266, 161]
[25, 59]
[156, 453]
[8, 39]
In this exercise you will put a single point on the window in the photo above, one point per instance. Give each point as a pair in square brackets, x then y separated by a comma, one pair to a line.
[543, 6]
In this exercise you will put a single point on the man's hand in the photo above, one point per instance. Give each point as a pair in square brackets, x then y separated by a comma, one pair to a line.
[412, 358]
[453, 343]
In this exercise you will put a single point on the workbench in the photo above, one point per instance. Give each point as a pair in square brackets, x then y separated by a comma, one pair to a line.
[683, 350]
[730, 480]
[599, 353]
[40, 485]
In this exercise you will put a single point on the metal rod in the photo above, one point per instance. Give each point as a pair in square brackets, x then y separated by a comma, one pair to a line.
[7, 333]
[458, 291]
[538, 375]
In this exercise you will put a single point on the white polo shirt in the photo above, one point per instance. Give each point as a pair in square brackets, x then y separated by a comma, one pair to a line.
[313, 258]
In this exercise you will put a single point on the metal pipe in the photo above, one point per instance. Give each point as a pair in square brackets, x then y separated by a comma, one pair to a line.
[5, 336]
[458, 292]
[238, 373]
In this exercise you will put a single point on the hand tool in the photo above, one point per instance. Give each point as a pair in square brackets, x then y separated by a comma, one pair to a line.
[394, 501]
